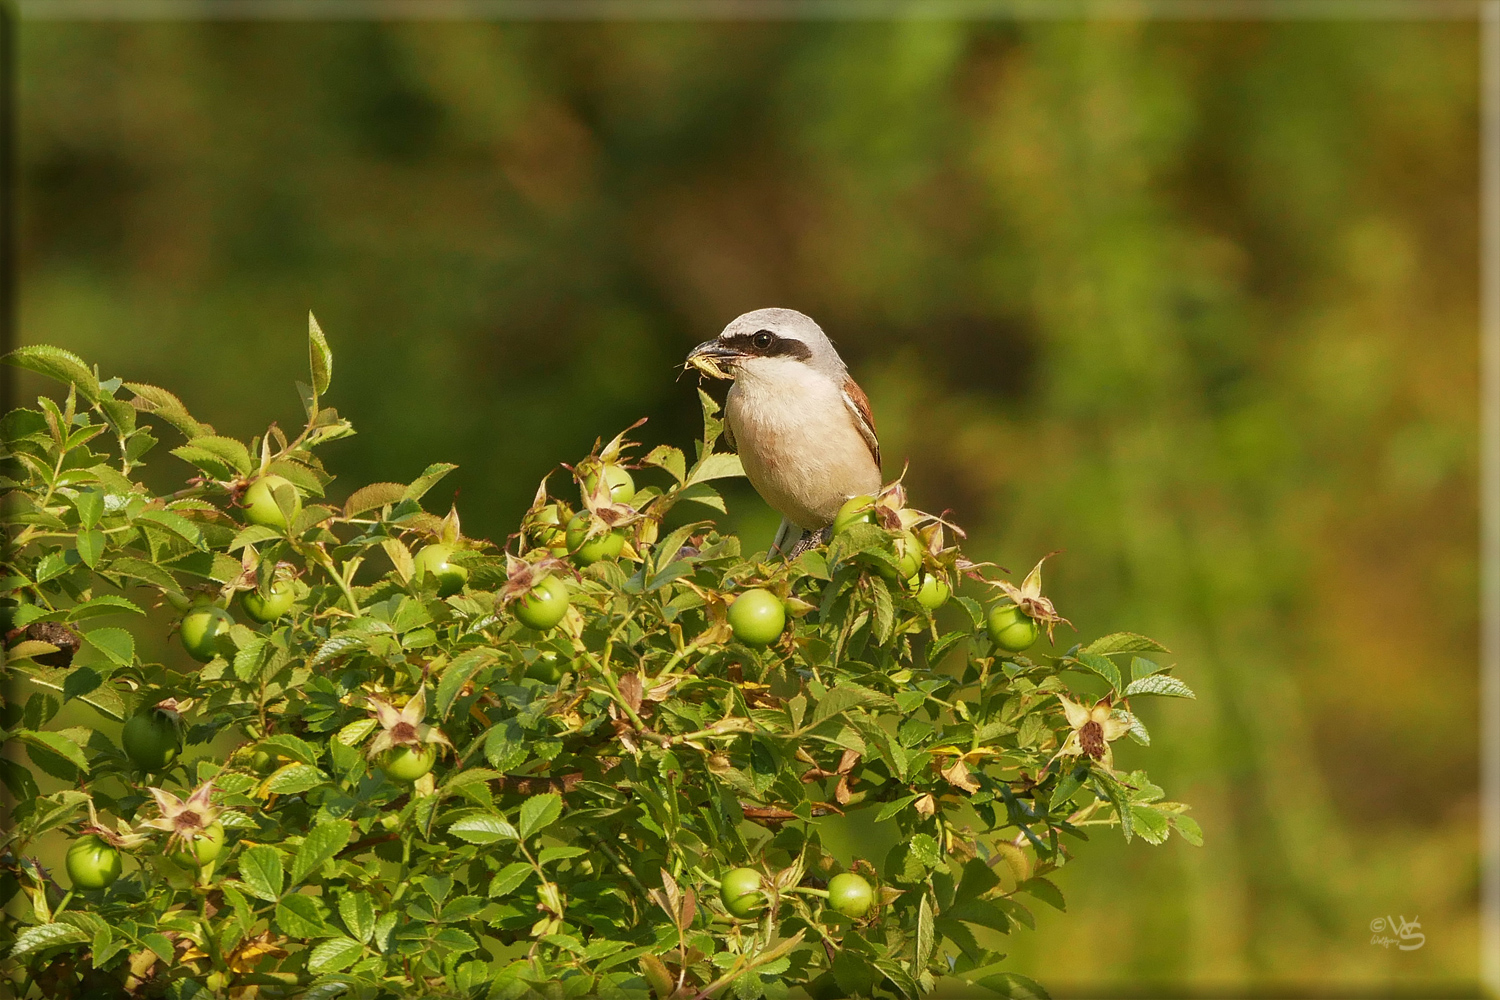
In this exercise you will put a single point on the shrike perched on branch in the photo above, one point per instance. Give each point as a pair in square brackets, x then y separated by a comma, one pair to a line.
[802, 426]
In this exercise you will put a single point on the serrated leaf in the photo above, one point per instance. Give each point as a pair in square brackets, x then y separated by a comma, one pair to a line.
[323, 842]
[720, 465]
[139, 569]
[1124, 642]
[333, 955]
[974, 608]
[926, 942]
[358, 914]
[373, 497]
[287, 745]
[212, 449]
[90, 507]
[459, 673]
[1149, 823]
[427, 480]
[704, 494]
[261, 871]
[115, 643]
[320, 358]
[539, 812]
[666, 457]
[456, 940]
[483, 830]
[56, 363]
[844, 697]
[1188, 829]
[56, 743]
[551, 854]
[300, 916]
[176, 524]
[1160, 684]
[292, 779]
[1013, 986]
[1045, 890]
[509, 878]
[34, 939]
[1103, 666]
[90, 546]
[161, 403]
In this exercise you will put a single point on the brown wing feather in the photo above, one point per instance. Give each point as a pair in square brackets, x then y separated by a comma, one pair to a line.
[859, 406]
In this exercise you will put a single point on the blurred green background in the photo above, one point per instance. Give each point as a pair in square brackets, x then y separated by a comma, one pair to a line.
[1196, 303]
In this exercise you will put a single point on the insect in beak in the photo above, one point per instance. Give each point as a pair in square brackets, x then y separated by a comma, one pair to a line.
[709, 357]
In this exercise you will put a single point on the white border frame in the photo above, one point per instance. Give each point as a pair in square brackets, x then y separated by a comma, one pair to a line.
[1485, 12]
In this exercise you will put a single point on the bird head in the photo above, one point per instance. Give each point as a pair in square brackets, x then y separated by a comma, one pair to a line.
[764, 340]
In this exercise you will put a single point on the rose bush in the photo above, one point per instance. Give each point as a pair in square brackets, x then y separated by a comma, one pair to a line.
[390, 786]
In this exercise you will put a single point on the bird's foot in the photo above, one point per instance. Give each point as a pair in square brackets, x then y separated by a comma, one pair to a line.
[809, 540]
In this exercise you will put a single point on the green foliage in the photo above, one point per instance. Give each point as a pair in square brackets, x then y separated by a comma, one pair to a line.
[579, 817]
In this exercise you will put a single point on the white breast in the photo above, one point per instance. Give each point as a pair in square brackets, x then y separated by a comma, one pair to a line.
[797, 440]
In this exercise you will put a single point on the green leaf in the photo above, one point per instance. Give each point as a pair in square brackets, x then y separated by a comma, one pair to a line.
[176, 524]
[427, 480]
[942, 646]
[1150, 823]
[261, 871]
[1103, 666]
[1141, 667]
[319, 356]
[704, 494]
[973, 607]
[163, 404]
[926, 943]
[210, 450]
[456, 940]
[287, 745]
[462, 908]
[34, 939]
[56, 363]
[1124, 642]
[1013, 986]
[358, 914]
[720, 465]
[90, 507]
[483, 829]
[323, 842]
[294, 778]
[58, 744]
[551, 854]
[161, 945]
[373, 497]
[115, 643]
[1045, 890]
[1160, 684]
[509, 878]
[301, 916]
[505, 746]
[460, 672]
[90, 546]
[139, 569]
[333, 955]
[539, 812]
[664, 456]
[890, 809]
[53, 564]
[1187, 828]
[846, 696]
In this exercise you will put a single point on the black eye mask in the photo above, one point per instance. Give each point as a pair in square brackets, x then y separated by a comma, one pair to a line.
[765, 344]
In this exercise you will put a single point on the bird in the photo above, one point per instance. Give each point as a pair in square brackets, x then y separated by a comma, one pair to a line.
[801, 424]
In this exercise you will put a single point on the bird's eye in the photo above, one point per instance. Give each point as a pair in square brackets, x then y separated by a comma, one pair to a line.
[763, 340]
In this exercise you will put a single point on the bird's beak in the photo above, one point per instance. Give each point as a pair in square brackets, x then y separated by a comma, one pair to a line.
[710, 356]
